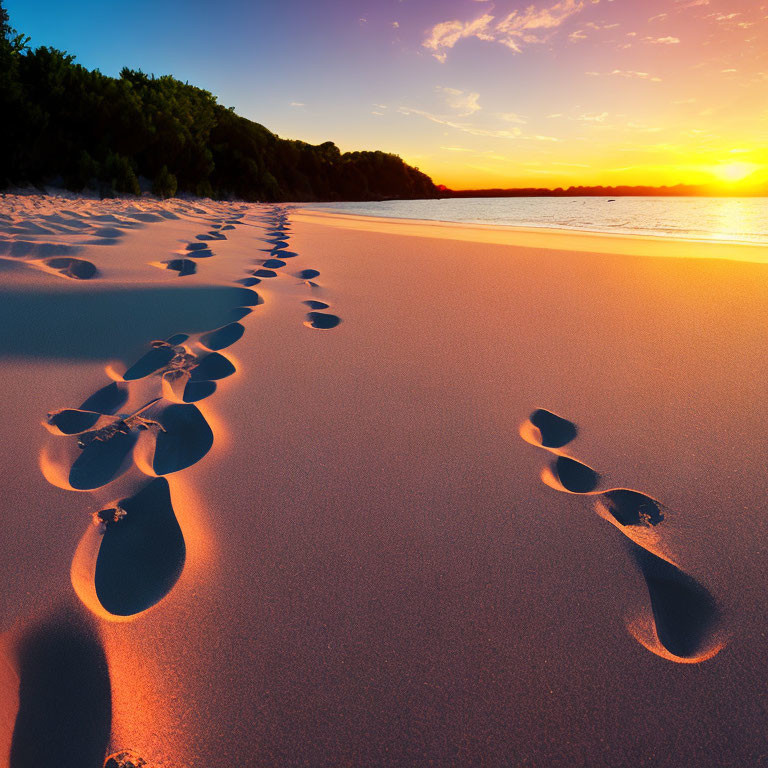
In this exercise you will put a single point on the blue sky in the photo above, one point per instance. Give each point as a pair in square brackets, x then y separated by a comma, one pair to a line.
[475, 92]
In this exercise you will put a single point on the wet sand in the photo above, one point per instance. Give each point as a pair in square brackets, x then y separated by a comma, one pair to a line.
[381, 493]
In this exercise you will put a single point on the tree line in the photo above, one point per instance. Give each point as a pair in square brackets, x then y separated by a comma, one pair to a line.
[67, 125]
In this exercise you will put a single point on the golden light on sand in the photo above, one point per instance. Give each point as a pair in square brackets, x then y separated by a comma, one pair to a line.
[733, 172]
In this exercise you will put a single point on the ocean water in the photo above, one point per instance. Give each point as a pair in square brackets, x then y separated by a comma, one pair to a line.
[725, 219]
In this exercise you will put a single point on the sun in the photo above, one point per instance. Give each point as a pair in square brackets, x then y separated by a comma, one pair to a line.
[733, 172]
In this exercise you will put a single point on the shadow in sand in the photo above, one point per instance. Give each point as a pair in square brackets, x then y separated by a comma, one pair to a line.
[575, 476]
[555, 430]
[182, 266]
[212, 367]
[321, 320]
[195, 391]
[77, 269]
[223, 337]
[71, 421]
[152, 361]
[89, 324]
[65, 702]
[142, 555]
[184, 439]
[107, 399]
[101, 461]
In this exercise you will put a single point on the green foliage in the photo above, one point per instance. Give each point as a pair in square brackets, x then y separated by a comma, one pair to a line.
[119, 174]
[165, 184]
[63, 123]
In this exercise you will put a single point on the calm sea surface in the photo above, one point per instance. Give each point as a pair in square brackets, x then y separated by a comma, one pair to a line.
[692, 218]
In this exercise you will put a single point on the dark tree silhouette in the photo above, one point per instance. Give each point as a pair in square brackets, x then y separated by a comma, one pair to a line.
[68, 125]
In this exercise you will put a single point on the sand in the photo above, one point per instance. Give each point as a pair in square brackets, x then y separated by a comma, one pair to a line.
[491, 498]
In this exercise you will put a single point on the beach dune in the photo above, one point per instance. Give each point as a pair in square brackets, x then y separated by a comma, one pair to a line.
[290, 488]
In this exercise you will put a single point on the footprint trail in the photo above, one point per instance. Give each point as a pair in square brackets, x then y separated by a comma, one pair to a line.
[682, 622]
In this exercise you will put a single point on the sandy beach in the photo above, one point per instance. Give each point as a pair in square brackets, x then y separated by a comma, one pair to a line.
[285, 488]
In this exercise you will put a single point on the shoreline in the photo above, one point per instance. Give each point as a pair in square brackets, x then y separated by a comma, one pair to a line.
[583, 241]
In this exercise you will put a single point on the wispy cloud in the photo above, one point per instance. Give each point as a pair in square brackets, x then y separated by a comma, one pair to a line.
[516, 29]
[511, 117]
[464, 103]
[662, 40]
[629, 73]
[472, 130]
[297, 104]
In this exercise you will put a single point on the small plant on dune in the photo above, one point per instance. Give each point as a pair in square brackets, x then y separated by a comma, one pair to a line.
[165, 184]
[125, 760]
[109, 516]
[120, 426]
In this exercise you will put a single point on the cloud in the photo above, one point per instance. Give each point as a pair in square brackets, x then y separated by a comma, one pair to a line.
[464, 103]
[395, 25]
[662, 40]
[629, 73]
[593, 117]
[511, 117]
[516, 29]
[447, 33]
[297, 104]
[464, 127]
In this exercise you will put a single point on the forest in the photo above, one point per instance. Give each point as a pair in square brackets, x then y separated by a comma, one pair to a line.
[65, 125]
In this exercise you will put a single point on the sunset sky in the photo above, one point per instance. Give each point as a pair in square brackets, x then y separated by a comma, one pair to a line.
[477, 93]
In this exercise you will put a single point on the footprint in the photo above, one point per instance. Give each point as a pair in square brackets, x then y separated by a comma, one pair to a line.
[158, 357]
[249, 298]
[197, 247]
[555, 431]
[629, 507]
[312, 304]
[102, 461]
[77, 269]
[685, 616]
[573, 475]
[321, 320]
[307, 274]
[108, 399]
[142, 552]
[195, 391]
[183, 439]
[273, 264]
[71, 421]
[212, 367]
[264, 273]
[222, 337]
[249, 281]
[182, 266]
[65, 700]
